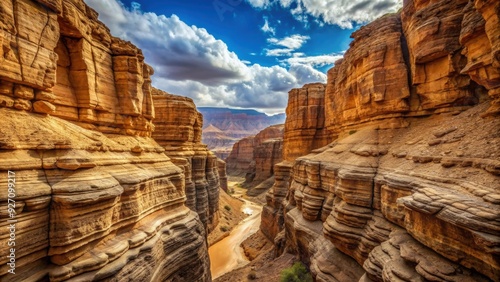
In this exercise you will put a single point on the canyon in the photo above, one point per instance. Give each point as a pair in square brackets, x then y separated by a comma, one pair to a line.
[391, 170]
[224, 127]
[388, 172]
[106, 190]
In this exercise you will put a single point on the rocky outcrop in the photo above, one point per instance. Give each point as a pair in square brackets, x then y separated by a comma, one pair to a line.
[241, 157]
[224, 127]
[96, 199]
[305, 121]
[255, 156]
[178, 130]
[69, 66]
[408, 190]
[221, 169]
[267, 151]
[92, 206]
[401, 205]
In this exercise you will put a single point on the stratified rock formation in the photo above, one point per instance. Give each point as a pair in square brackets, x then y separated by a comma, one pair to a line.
[304, 131]
[224, 127]
[178, 130]
[268, 151]
[96, 198]
[305, 121]
[241, 157]
[409, 189]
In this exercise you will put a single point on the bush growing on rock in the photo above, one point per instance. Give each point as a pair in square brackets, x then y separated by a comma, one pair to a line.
[296, 273]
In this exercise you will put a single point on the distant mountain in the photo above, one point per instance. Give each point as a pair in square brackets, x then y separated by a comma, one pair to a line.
[222, 127]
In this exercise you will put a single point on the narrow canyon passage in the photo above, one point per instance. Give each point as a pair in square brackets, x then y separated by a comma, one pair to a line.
[227, 255]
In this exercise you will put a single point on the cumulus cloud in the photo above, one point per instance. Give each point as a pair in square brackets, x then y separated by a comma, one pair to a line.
[344, 13]
[189, 61]
[292, 42]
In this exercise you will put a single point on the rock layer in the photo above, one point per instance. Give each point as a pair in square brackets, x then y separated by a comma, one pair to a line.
[178, 130]
[408, 190]
[64, 62]
[305, 121]
[90, 206]
[96, 198]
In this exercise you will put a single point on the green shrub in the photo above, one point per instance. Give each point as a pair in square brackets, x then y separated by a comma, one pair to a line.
[228, 208]
[352, 132]
[224, 228]
[296, 273]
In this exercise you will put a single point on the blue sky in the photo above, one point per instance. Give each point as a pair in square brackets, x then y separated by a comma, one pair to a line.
[239, 53]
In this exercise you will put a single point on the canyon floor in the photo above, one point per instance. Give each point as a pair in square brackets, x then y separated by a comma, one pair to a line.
[257, 251]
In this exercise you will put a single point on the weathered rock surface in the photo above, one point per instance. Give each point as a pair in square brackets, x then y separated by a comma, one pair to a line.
[409, 189]
[65, 63]
[178, 130]
[255, 156]
[241, 157]
[90, 207]
[305, 121]
[224, 127]
[96, 198]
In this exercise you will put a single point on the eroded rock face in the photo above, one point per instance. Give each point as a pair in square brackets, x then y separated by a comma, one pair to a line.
[241, 157]
[305, 121]
[178, 130]
[255, 156]
[92, 206]
[374, 183]
[96, 198]
[409, 189]
[68, 65]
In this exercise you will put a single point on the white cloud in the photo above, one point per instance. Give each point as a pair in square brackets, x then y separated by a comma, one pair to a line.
[306, 74]
[316, 61]
[190, 61]
[344, 13]
[279, 52]
[266, 28]
[261, 4]
[292, 42]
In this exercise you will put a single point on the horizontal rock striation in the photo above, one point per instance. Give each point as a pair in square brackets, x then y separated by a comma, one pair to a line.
[408, 190]
[178, 131]
[91, 206]
[60, 60]
[305, 121]
[254, 157]
[97, 199]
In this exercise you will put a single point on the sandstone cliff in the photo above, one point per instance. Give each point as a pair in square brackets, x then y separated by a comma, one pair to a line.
[178, 130]
[97, 199]
[254, 157]
[409, 189]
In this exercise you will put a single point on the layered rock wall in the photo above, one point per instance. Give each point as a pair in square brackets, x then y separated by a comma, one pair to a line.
[408, 191]
[305, 121]
[178, 130]
[91, 206]
[59, 59]
[267, 151]
[96, 198]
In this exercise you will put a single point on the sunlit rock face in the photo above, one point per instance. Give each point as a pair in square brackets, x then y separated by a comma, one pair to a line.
[305, 121]
[178, 130]
[254, 157]
[97, 199]
[408, 189]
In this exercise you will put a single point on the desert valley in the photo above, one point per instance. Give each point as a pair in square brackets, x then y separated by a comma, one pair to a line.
[387, 171]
